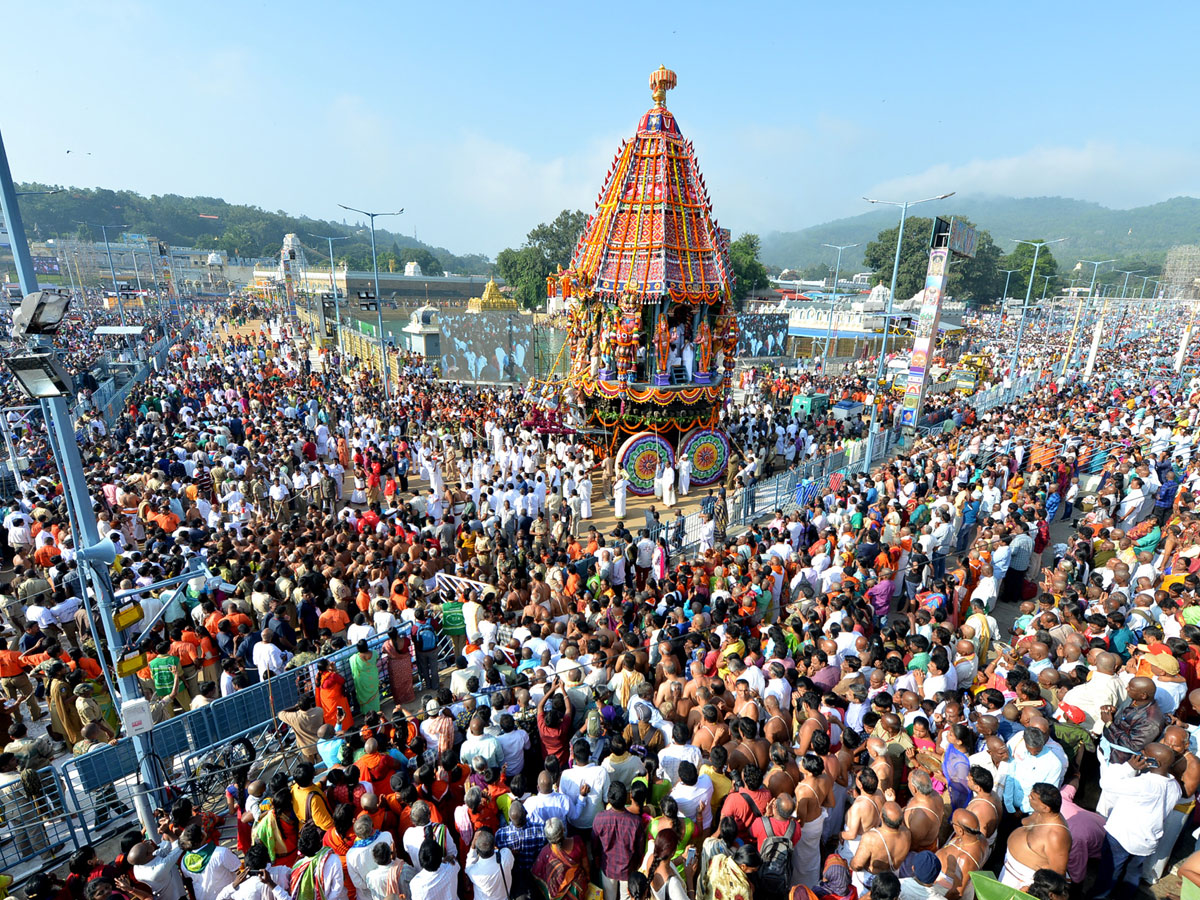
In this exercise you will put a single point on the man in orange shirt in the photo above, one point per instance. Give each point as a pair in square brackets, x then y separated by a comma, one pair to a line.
[335, 619]
[46, 555]
[16, 685]
[185, 651]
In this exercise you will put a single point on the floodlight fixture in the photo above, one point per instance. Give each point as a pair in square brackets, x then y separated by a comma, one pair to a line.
[40, 312]
[41, 376]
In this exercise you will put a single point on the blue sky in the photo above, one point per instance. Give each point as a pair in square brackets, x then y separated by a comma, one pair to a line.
[483, 119]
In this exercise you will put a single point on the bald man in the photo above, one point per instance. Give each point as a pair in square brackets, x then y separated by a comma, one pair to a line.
[1103, 689]
[882, 849]
[1137, 796]
[1187, 771]
[1135, 727]
[966, 851]
[1042, 842]
[924, 812]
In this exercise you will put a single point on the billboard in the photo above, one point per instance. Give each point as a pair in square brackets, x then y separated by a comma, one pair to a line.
[963, 238]
[762, 334]
[925, 338]
[46, 265]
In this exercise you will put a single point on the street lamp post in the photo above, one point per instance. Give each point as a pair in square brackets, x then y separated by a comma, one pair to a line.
[337, 309]
[1007, 275]
[1127, 273]
[1046, 285]
[887, 317]
[111, 271]
[95, 583]
[383, 361]
[836, 272]
[1142, 295]
[1037, 248]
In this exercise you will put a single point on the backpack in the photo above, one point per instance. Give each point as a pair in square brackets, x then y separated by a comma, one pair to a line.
[426, 638]
[775, 873]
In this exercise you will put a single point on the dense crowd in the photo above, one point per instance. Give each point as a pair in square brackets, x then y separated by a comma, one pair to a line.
[825, 705]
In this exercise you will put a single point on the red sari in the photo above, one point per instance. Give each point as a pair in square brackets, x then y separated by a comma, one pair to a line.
[330, 693]
[400, 670]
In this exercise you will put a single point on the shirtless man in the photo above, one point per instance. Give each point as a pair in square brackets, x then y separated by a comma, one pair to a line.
[863, 814]
[965, 852]
[880, 763]
[711, 732]
[924, 812]
[1187, 771]
[1042, 842]
[745, 703]
[779, 725]
[986, 804]
[784, 774]
[881, 849]
[812, 798]
[697, 681]
[744, 745]
[671, 676]
[813, 720]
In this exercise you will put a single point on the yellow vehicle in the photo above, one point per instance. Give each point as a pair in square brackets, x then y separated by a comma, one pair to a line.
[971, 369]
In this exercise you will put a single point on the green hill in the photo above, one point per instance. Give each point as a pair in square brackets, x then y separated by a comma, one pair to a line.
[1094, 231]
[212, 223]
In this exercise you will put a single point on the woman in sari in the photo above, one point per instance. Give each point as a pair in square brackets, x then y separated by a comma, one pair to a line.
[722, 843]
[364, 669]
[340, 838]
[64, 717]
[397, 654]
[956, 765]
[330, 690]
[562, 865]
[671, 822]
[665, 881]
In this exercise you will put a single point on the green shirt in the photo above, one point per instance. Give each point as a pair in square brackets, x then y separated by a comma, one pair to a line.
[452, 619]
[162, 671]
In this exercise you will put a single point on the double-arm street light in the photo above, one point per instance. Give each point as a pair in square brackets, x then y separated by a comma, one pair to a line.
[833, 302]
[1037, 248]
[383, 361]
[1127, 273]
[887, 319]
[1007, 275]
[337, 309]
[111, 270]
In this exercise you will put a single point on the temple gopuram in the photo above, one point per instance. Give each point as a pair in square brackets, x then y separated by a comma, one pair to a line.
[652, 332]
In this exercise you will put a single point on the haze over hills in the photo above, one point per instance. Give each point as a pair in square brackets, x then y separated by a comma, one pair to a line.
[1094, 231]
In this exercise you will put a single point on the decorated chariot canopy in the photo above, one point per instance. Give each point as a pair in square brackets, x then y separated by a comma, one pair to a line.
[653, 233]
[648, 293]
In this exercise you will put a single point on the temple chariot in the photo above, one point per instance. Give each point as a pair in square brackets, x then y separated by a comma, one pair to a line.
[648, 294]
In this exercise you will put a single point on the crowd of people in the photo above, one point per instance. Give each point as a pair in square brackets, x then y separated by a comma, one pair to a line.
[826, 705]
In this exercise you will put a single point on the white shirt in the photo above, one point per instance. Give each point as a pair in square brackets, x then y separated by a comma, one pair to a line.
[542, 808]
[254, 888]
[689, 796]
[162, 874]
[219, 873]
[670, 757]
[585, 808]
[514, 744]
[492, 877]
[415, 836]
[268, 658]
[439, 885]
[360, 861]
[1139, 806]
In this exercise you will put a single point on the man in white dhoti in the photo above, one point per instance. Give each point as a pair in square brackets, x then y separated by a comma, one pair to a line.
[658, 479]
[689, 359]
[668, 483]
[620, 491]
[585, 497]
[685, 476]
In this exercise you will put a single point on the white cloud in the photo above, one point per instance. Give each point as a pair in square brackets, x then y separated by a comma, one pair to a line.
[1118, 175]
